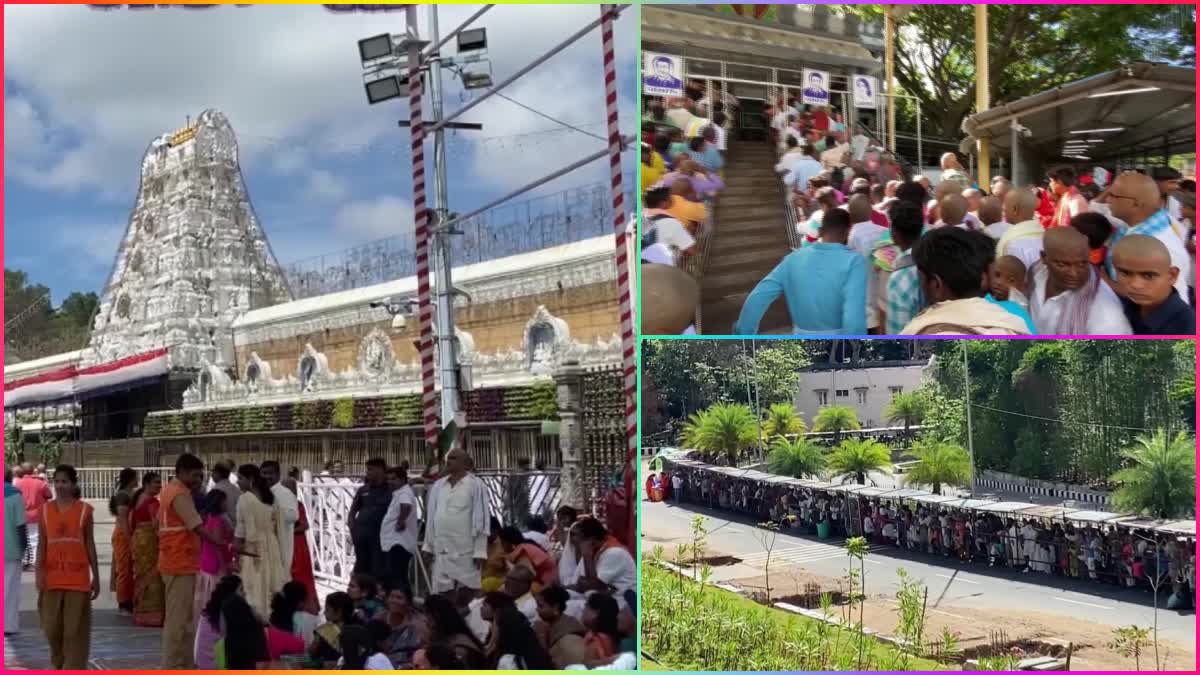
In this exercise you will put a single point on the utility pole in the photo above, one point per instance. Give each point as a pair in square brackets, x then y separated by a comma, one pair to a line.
[444, 306]
[970, 436]
[982, 89]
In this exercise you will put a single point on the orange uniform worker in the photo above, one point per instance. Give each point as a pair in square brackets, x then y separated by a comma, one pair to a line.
[68, 572]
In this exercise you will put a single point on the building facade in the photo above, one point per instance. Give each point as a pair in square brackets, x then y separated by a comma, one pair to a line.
[868, 389]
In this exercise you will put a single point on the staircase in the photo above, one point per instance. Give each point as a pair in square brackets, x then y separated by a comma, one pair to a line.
[750, 239]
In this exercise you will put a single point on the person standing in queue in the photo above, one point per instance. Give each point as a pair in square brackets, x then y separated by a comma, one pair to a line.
[180, 529]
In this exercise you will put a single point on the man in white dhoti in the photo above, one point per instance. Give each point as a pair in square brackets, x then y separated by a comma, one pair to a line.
[456, 532]
[1030, 546]
[288, 508]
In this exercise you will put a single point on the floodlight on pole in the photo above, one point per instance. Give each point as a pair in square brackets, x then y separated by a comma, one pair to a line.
[375, 47]
[385, 89]
[479, 80]
[472, 40]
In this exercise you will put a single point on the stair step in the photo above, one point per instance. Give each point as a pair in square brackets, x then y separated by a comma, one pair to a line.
[718, 317]
[763, 260]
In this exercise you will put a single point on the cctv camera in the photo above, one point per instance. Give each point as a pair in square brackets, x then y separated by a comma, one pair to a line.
[398, 322]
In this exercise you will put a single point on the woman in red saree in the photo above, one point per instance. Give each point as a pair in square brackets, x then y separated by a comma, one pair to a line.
[149, 596]
[119, 506]
[302, 568]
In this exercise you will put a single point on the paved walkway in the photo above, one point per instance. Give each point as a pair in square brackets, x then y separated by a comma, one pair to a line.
[116, 643]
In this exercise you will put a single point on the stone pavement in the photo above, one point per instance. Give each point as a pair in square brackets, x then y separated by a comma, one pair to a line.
[116, 643]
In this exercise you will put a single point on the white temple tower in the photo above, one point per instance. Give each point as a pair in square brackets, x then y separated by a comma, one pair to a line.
[194, 257]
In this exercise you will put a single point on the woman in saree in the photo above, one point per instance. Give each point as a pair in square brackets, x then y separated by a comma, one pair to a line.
[121, 582]
[149, 596]
[302, 567]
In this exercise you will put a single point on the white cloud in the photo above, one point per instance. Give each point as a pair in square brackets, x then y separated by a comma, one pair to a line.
[288, 78]
[376, 218]
[325, 186]
[24, 130]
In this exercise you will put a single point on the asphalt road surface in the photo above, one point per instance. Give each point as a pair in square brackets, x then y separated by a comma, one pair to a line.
[955, 589]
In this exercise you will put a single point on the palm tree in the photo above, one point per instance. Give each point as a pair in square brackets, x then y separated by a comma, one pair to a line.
[1160, 480]
[858, 457]
[906, 407]
[723, 429]
[938, 464]
[836, 418]
[782, 420]
[796, 457]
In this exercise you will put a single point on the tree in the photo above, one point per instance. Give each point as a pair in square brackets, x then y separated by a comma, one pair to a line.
[725, 429]
[1160, 480]
[1130, 641]
[798, 457]
[836, 418]
[907, 408]
[782, 420]
[858, 457]
[938, 463]
[1033, 48]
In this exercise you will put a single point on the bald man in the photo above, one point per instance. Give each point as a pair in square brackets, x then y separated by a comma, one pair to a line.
[457, 528]
[1066, 294]
[952, 211]
[952, 170]
[991, 214]
[973, 197]
[1134, 198]
[1146, 282]
[1023, 238]
[1001, 187]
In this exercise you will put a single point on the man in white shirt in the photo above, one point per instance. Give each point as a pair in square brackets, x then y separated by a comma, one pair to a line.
[288, 509]
[457, 528]
[718, 126]
[1068, 297]
[660, 227]
[859, 144]
[1023, 238]
[606, 565]
[991, 214]
[795, 152]
[398, 534]
[803, 168]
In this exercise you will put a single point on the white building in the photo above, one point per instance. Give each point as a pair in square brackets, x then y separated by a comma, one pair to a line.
[868, 390]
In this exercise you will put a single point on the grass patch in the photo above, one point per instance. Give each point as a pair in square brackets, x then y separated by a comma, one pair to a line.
[691, 626]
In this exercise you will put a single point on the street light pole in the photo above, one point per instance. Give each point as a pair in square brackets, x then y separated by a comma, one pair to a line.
[982, 89]
[444, 306]
[970, 436]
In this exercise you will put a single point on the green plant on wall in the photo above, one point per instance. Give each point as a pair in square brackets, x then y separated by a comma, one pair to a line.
[401, 411]
[343, 413]
[14, 439]
[258, 419]
[537, 402]
[49, 451]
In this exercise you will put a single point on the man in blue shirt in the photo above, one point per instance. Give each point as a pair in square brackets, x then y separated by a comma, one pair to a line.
[825, 286]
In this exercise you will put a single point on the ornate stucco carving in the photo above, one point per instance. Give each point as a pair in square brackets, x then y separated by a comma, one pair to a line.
[193, 258]
[547, 339]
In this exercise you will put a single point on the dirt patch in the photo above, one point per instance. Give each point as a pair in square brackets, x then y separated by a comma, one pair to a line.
[1022, 649]
[976, 630]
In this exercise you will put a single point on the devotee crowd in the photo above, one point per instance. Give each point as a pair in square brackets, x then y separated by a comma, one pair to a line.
[878, 250]
[1107, 553]
[223, 568]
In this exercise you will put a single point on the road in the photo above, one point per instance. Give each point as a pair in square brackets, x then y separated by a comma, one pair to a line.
[116, 643]
[955, 590]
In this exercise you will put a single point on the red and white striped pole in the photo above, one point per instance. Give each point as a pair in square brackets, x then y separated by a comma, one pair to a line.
[424, 305]
[628, 346]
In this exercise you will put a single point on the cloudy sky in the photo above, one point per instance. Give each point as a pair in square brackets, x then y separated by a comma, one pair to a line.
[86, 90]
